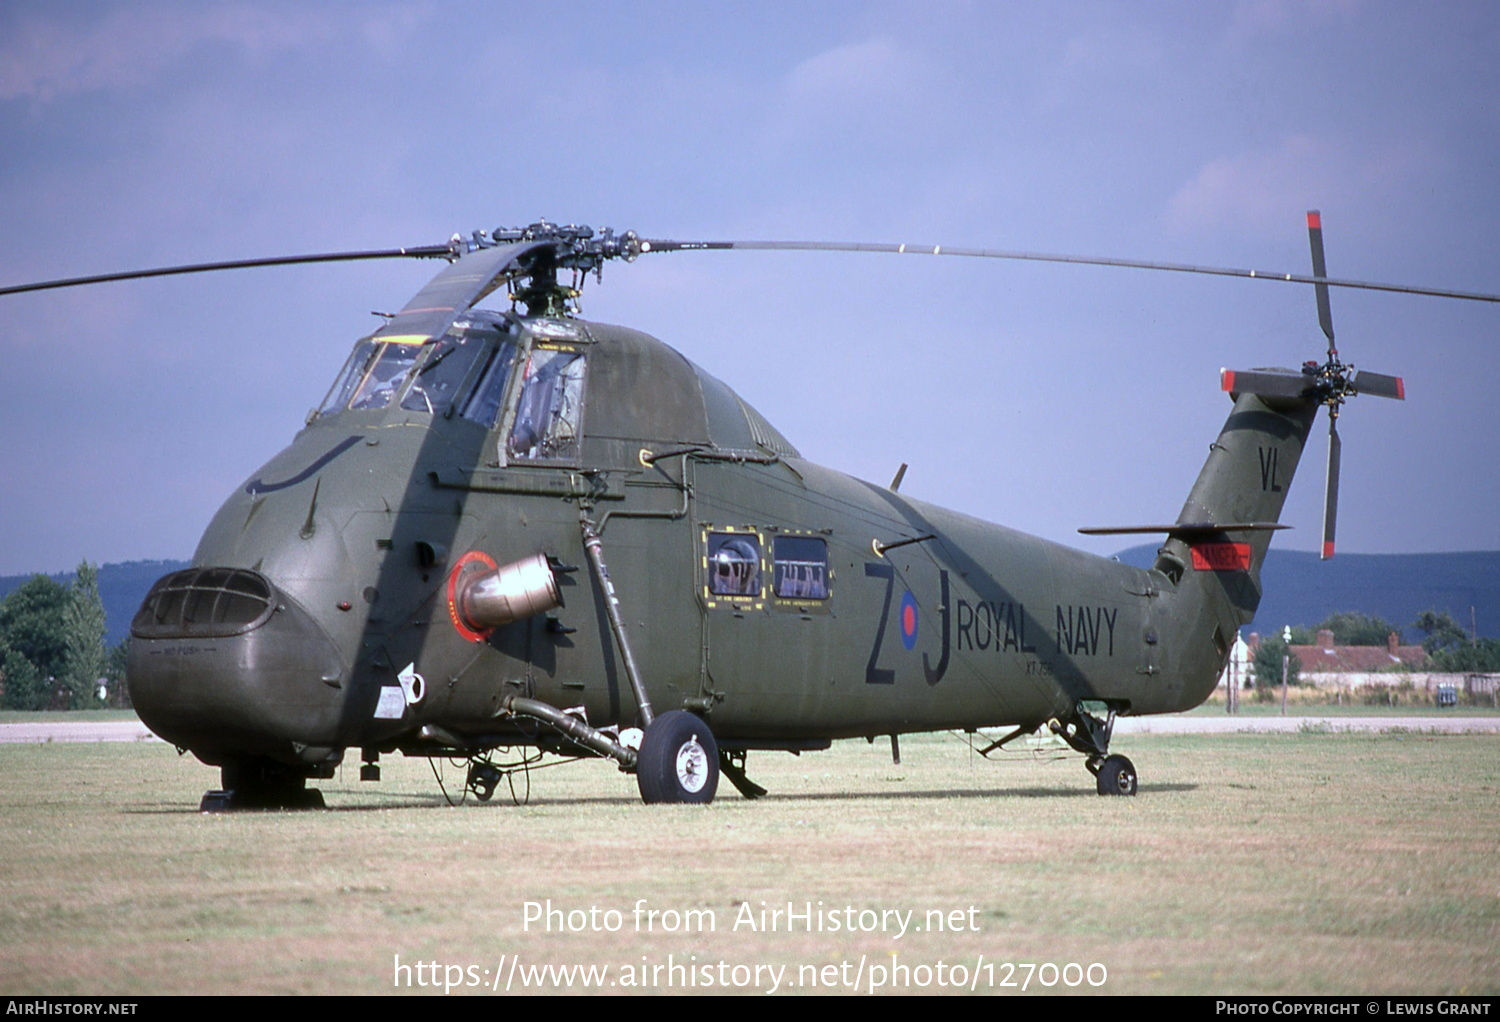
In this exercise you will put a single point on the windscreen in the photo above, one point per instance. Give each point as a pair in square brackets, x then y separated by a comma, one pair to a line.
[428, 375]
[440, 374]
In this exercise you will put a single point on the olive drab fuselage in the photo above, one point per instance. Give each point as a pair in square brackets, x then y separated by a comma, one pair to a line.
[520, 528]
[785, 603]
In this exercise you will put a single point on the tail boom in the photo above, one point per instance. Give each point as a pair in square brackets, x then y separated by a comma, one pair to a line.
[1214, 554]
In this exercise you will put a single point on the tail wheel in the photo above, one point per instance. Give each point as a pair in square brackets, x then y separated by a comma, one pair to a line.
[678, 761]
[1116, 776]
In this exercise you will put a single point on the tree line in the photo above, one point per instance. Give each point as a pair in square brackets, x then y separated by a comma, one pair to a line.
[1450, 648]
[52, 651]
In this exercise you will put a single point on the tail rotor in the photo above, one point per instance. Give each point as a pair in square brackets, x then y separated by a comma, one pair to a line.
[1331, 383]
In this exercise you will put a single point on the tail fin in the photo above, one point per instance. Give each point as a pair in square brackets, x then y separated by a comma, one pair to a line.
[1214, 553]
[1221, 537]
[1225, 527]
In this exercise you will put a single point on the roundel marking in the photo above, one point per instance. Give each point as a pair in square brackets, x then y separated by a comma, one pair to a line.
[474, 560]
[908, 620]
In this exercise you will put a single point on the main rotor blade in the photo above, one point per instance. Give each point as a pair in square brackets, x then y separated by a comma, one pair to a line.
[659, 245]
[420, 252]
[1320, 273]
[1331, 494]
[1378, 385]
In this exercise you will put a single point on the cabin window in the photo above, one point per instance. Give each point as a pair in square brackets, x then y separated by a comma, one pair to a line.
[800, 567]
[445, 364]
[483, 405]
[733, 564]
[549, 414]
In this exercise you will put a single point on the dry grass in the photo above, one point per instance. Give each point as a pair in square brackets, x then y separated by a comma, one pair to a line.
[1308, 863]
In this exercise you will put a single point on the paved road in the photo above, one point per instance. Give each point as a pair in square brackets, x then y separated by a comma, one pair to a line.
[81, 731]
[135, 731]
[1183, 724]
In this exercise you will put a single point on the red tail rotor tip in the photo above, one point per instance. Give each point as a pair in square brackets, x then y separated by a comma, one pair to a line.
[1314, 220]
[1327, 550]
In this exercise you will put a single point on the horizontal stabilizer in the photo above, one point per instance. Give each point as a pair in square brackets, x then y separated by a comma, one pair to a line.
[1187, 530]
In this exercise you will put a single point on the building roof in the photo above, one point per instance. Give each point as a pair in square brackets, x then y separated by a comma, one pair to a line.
[1323, 657]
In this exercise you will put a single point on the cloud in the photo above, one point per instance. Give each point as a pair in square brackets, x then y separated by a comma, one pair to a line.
[1114, 50]
[48, 57]
[851, 91]
[876, 105]
[1253, 19]
[852, 74]
[1252, 191]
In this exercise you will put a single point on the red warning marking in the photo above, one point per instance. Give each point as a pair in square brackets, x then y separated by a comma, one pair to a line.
[1221, 557]
[1314, 220]
[1327, 550]
[1226, 379]
[486, 563]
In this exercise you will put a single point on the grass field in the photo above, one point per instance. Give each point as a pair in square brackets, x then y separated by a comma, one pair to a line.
[1249, 864]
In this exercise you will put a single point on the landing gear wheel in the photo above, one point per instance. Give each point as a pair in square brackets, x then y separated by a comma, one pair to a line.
[261, 784]
[482, 780]
[678, 761]
[1116, 776]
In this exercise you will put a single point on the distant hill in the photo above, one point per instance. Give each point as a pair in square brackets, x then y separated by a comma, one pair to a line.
[1302, 590]
[122, 587]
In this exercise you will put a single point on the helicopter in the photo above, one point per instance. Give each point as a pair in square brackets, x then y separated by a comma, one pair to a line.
[518, 529]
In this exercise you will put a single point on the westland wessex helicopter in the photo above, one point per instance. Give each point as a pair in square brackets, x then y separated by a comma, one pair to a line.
[520, 530]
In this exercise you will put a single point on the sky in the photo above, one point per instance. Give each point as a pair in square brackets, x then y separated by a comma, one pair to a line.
[1043, 397]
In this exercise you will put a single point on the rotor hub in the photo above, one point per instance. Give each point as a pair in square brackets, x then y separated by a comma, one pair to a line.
[575, 247]
[1333, 382]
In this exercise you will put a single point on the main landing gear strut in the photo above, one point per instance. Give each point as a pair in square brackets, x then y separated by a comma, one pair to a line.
[1115, 775]
[678, 760]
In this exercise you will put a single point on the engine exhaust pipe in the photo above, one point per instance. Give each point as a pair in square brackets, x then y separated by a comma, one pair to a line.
[510, 593]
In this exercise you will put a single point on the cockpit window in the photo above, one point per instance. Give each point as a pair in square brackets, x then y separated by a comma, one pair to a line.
[445, 364]
[549, 414]
[438, 368]
[354, 370]
[386, 373]
[371, 377]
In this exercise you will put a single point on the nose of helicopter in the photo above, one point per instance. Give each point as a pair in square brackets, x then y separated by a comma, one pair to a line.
[225, 664]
